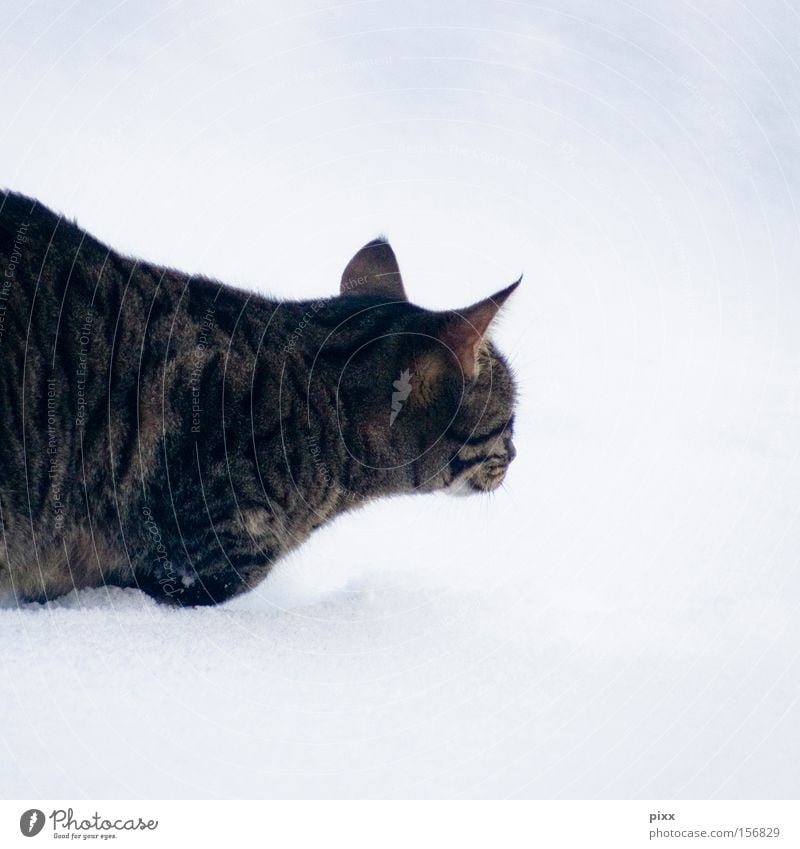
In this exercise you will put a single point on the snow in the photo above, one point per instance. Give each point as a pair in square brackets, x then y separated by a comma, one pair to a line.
[621, 620]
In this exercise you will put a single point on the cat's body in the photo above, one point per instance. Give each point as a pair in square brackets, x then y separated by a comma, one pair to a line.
[172, 433]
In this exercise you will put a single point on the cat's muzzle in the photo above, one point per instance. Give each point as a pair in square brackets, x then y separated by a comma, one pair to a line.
[485, 476]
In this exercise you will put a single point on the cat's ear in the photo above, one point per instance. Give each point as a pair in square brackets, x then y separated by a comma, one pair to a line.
[374, 271]
[463, 331]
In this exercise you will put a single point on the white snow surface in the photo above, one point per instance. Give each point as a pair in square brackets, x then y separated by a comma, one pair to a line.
[621, 619]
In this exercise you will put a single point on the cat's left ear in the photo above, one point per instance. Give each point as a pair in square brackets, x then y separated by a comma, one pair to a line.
[374, 271]
[464, 331]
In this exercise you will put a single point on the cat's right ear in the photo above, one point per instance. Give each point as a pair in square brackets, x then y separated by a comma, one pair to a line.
[374, 271]
[464, 331]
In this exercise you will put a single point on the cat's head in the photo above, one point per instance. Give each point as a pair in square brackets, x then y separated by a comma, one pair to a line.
[432, 398]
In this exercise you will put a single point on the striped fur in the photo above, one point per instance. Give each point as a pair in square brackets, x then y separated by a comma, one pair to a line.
[172, 433]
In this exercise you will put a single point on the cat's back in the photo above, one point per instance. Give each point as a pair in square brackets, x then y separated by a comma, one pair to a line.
[41, 255]
[20, 217]
[54, 307]
[29, 229]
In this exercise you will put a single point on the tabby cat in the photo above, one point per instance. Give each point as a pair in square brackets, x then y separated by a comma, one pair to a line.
[168, 432]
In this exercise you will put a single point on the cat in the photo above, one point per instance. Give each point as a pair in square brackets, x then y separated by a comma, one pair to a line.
[168, 432]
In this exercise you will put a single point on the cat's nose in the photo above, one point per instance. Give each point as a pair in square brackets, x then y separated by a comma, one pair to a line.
[512, 451]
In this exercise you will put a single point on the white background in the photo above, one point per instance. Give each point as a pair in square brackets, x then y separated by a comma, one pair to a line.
[622, 619]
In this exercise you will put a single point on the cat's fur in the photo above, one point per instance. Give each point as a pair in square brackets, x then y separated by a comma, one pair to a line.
[169, 432]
